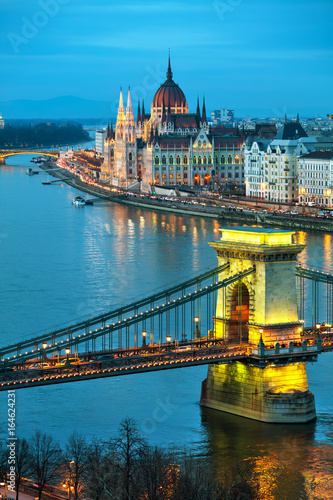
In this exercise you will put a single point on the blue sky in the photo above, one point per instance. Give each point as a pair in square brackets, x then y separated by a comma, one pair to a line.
[244, 54]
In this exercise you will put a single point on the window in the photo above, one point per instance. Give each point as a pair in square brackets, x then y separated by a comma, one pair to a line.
[205, 160]
[157, 160]
[237, 159]
[222, 159]
[178, 160]
[194, 160]
[199, 160]
[130, 156]
[229, 159]
[204, 144]
[210, 160]
[171, 160]
[163, 160]
[199, 144]
[185, 160]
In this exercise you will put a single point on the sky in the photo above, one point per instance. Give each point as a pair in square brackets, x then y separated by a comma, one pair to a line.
[269, 57]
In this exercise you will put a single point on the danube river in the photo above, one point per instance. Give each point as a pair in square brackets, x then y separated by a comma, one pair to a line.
[60, 263]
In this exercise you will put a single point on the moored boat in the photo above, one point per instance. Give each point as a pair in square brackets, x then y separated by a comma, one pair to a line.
[79, 201]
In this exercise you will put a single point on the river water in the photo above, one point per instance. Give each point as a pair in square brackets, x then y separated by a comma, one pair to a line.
[60, 263]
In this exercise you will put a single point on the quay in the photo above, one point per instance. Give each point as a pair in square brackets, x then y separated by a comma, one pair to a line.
[244, 217]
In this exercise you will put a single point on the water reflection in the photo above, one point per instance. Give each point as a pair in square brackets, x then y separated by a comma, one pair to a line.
[285, 460]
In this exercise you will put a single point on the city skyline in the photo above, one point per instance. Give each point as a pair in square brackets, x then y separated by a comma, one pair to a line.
[240, 55]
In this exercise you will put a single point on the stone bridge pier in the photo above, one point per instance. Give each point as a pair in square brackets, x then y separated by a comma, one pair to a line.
[261, 308]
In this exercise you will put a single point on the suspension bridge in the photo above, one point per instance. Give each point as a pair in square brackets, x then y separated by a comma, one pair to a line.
[216, 318]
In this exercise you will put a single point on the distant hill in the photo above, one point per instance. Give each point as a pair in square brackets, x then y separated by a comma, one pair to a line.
[67, 107]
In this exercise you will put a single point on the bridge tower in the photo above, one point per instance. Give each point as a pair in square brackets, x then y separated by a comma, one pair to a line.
[260, 310]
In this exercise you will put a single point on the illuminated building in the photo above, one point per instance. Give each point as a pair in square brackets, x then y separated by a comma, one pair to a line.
[316, 178]
[171, 146]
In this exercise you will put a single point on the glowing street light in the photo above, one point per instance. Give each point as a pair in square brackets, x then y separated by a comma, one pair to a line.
[168, 339]
[67, 351]
[197, 333]
[144, 342]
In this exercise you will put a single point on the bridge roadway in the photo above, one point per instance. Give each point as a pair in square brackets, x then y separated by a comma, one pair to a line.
[160, 357]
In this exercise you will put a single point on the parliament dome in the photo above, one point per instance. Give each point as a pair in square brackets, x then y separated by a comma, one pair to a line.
[169, 94]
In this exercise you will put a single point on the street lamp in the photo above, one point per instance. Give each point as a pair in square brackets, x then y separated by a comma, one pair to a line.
[44, 347]
[197, 333]
[168, 339]
[144, 342]
[67, 351]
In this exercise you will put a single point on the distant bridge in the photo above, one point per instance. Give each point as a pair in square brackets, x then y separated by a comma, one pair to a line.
[5, 153]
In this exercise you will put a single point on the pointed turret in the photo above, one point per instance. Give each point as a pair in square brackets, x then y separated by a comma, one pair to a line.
[204, 115]
[129, 128]
[138, 119]
[169, 72]
[112, 134]
[121, 115]
[198, 107]
[143, 113]
[108, 131]
[297, 119]
[285, 118]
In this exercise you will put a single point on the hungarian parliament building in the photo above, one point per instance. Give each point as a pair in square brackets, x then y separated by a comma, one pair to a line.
[171, 146]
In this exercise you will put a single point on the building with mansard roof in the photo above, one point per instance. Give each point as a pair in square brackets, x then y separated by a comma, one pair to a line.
[171, 146]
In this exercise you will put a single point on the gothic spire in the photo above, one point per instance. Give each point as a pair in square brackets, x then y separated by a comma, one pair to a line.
[143, 113]
[169, 72]
[204, 115]
[198, 107]
[138, 120]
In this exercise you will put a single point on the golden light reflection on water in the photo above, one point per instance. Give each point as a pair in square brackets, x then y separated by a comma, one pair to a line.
[284, 461]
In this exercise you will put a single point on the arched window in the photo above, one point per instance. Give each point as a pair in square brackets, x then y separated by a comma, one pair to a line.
[171, 160]
[163, 160]
[204, 144]
[210, 160]
[199, 144]
[243, 159]
[222, 160]
[237, 159]
[216, 159]
[186, 160]
[157, 160]
[178, 160]
[130, 156]
[229, 159]
[205, 160]
[194, 160]
[199, 160]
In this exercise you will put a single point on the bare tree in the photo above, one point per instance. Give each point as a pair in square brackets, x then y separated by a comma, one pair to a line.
[45, 459]
[21, 462]
[158, 473]
[128, 446]
[76, 461]
[101, 478]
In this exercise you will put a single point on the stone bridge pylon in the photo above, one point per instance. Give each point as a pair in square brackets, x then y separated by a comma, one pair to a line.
[259, 309]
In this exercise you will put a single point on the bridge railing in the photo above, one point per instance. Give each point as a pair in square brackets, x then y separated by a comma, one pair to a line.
[176, 320]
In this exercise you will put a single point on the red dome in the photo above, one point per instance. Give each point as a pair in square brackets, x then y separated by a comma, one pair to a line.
[169, 93]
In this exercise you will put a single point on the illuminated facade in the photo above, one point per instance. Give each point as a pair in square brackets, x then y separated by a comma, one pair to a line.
[259, 310]
[316, 178]
[171, 146]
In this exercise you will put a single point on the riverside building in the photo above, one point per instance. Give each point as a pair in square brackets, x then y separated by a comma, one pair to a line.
[171, 145]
